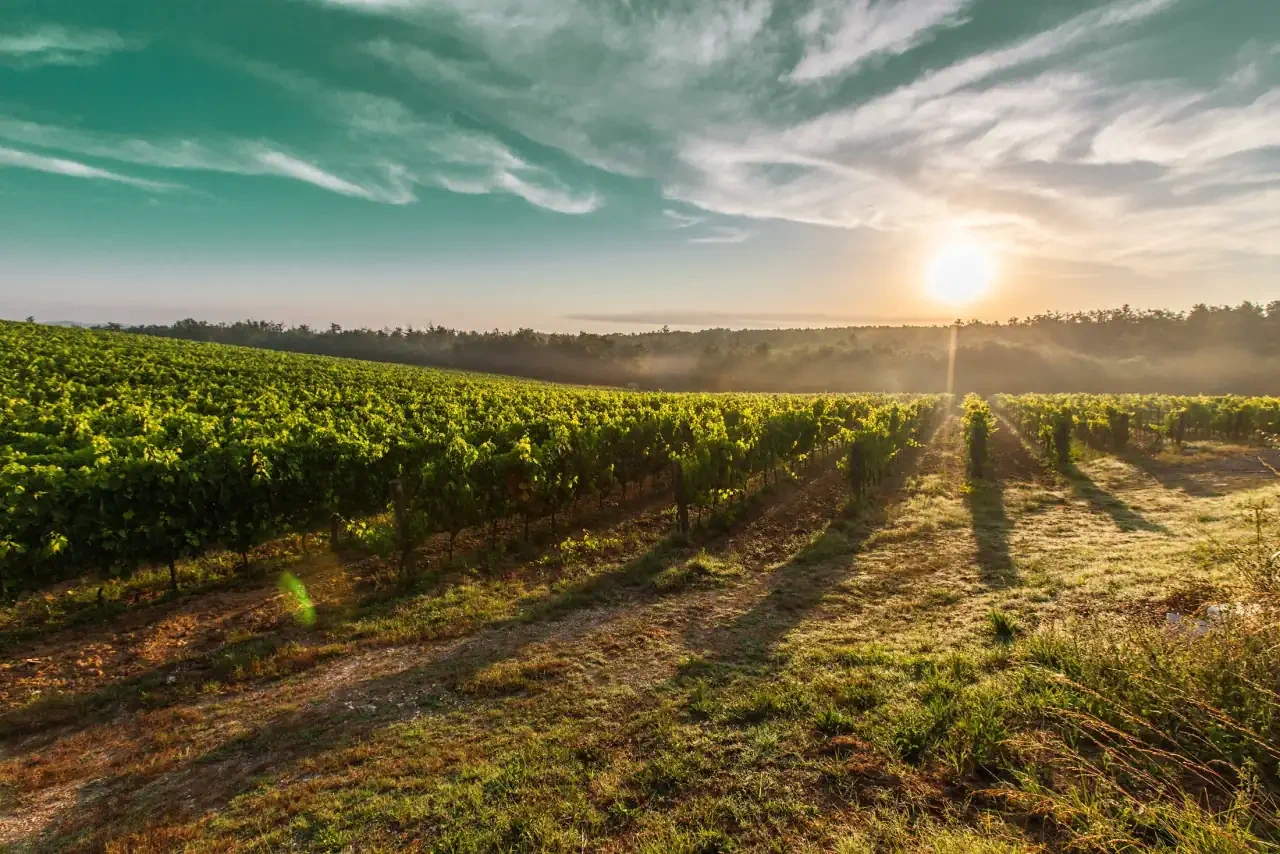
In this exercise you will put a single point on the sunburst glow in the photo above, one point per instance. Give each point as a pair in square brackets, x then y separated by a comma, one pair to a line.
[960, 273]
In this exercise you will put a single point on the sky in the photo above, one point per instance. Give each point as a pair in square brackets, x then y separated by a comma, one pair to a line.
[615, 164]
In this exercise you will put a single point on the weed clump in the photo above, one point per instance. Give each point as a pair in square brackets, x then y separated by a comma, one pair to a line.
[1003, 625]
[834, 721]
[702, 569]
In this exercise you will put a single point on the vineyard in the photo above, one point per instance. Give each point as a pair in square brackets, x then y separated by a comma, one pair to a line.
[560, 618]
[119, 451]
[1113, 423]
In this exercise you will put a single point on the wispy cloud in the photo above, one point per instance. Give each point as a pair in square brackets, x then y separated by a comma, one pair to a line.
[279, 163]
[12, 157]
[723, 234]
[680, 220]
[840, 36]
[383, 182]
[547, 197]
[1045, 141]
[392, 149]
[425, 151]
[700, 232]
[54, 45]
[1006, 145]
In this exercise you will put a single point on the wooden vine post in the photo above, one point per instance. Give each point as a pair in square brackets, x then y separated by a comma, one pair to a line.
[682, 497]
[404, 537]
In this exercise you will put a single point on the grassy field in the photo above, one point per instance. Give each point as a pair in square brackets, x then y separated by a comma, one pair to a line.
[952, 666]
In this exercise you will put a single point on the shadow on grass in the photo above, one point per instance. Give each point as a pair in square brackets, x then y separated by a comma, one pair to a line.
[1016, 453]
[146, 596]
[1012, 461]
[800, 585]
[258, 659]
[1174, 477]
[1229, 474]
[1102, 502]
[991, 529]
[288, 649]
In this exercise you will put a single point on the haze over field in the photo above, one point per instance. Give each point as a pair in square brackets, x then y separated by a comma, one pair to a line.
[565, 164]
[1207, 350]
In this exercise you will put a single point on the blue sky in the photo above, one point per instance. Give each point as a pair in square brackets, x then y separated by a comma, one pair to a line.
[571, 164]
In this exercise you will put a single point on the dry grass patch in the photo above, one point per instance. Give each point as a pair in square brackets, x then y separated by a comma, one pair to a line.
[701, 570]
[510, 677]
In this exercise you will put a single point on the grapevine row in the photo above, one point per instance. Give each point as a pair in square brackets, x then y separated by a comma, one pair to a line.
[979, 423]
[1109, 422]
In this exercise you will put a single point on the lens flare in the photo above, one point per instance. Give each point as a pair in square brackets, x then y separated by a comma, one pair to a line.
[304, 611]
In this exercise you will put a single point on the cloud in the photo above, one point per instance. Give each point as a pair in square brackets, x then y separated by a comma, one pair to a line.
[428, 151]
[378, 5]
[73, 169]
[384, 182]
[710, 234]
[611, 85]
[723, 234]
[279, 163]
[474, 165]
[393, 148]
[672, 39]
[714, 102]
[679, 220]
[1003, 143]
[1045, 141]
[844, 35]
[545, 197]
[53, 45]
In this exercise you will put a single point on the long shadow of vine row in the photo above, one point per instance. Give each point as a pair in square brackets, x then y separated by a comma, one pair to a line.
[1011, 460]
[1099, 500]
[800, 585]
[1106, 503]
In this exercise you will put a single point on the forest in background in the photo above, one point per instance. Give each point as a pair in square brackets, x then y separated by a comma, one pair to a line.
[1210, 350]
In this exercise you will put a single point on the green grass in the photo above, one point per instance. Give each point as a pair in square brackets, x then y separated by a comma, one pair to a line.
[1004, 626]
[702, 569]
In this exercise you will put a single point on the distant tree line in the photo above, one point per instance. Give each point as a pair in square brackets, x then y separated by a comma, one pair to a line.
[1214, 350]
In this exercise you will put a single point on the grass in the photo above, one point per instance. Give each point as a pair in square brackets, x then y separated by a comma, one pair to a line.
[702, 569]
[509, 677]
[806, 679]
[100, 600]
[1255, 560]
[1004, 626]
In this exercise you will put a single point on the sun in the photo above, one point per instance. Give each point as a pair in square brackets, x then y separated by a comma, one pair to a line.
[960, 273]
